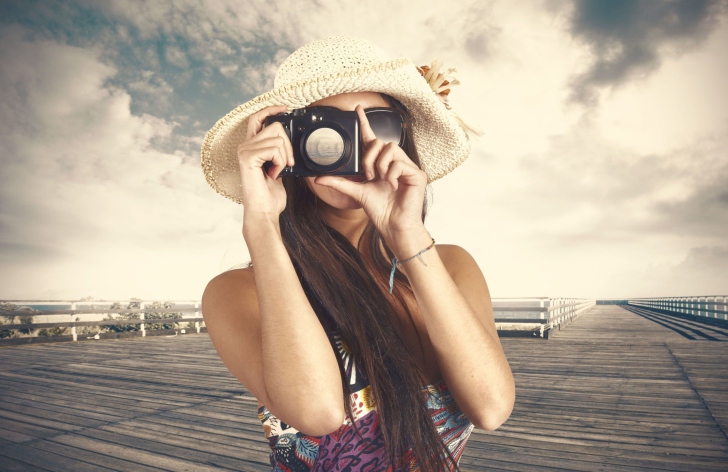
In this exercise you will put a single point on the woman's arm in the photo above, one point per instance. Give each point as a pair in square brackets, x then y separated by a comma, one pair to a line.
[265, 329]
[456, 308]
[269, 337]
[299, 365]
[455, 303]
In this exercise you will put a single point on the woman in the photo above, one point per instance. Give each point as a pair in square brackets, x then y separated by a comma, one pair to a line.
[367, 346]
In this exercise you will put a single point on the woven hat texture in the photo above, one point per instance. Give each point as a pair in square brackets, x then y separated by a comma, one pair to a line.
[331, 66]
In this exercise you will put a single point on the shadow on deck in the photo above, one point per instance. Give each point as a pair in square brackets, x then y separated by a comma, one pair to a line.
[615, 390]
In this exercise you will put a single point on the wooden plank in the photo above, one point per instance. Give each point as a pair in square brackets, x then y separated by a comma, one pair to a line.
[92, 457]
[106, 446]
[611, 391]
[218, 453]
[11, 465]
[154, 453]
[582, 458]
[18, 430]
[48, 405]
[48, 460]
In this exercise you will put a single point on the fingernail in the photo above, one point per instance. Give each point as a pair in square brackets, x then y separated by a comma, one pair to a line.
[370, 176]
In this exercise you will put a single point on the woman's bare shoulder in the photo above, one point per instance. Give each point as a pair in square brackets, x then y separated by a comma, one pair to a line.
[455, 258]
[229, 289]
[242, 274]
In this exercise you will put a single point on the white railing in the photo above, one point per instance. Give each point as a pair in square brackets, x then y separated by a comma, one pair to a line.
[537, 316]
[709, 306]
[530, 316]
[93, 310]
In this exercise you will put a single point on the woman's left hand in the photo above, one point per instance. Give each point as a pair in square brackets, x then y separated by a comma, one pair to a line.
[394, 192]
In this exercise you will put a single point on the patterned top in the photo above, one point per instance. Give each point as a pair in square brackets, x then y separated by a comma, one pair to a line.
[293, 451]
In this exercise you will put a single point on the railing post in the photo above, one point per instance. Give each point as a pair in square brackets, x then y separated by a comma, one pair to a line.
[73, 328]
[197, 314]
[141, 317]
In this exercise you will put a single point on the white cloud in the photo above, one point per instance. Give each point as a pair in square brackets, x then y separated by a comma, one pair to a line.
[682, 103]
[89, 206]
[701, 272]
[551, 202]
[176, 57]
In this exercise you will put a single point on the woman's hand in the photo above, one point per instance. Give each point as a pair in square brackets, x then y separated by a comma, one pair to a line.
[264, 195]
[393, 194]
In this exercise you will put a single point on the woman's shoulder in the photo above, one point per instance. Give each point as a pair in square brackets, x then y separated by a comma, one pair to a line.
[455, 258]
[230, 286]
[240, 274]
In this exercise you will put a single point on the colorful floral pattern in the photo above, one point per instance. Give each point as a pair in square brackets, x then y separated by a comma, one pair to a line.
[344, 450]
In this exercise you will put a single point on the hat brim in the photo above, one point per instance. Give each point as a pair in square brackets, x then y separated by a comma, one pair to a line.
[441, 142]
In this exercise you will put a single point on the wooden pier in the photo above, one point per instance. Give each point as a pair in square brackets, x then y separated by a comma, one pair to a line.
[617, 389]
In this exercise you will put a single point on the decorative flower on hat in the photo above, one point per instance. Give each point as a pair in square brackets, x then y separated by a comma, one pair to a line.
[441, 83]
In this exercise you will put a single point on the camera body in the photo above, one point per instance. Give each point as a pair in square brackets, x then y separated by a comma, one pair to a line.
[325, 140]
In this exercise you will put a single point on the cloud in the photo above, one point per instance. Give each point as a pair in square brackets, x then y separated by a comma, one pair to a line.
[88, 202]
[599, 190]
[629, 37]
[702, 272]
[104, 107]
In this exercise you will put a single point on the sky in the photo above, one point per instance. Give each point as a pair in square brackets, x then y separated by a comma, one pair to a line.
[603, 171]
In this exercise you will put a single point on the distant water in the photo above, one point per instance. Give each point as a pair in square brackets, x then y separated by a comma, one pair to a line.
[85, 306]
[63, 306]
[38, 318]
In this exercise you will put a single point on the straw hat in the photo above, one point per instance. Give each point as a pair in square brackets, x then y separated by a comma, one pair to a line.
[342, 64]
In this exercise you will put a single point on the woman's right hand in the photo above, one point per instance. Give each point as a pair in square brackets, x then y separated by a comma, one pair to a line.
[263, 194]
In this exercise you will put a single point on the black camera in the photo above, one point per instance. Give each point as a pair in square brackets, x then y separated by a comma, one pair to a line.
[325, 140]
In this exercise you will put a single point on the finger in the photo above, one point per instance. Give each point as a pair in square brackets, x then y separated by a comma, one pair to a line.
[391, 152]
[393, 174]
[254, 158]
[256, 120]
[279, 163]
[281, 142]
[276, 130]
[386, 157]
[400, 172]
[371, 154]
[367, 135]
[353, 189]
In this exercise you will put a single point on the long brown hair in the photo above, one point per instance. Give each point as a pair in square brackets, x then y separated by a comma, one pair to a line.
[346, 291]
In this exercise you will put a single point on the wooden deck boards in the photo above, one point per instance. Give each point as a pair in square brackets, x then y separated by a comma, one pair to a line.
[616, 390]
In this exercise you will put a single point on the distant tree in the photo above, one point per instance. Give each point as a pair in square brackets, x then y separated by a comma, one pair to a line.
[149, 316]
[48, 332]
[26, 319]
[152, 315]
[7, 318]
[89, 330]
[134, 304]
[22, 319]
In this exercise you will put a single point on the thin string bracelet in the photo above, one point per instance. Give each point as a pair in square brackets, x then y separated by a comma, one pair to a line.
[395, 262]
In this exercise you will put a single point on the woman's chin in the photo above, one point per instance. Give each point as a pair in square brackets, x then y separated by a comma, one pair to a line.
[343, 202]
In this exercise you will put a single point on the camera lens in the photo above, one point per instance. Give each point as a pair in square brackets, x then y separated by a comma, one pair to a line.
[325, 146]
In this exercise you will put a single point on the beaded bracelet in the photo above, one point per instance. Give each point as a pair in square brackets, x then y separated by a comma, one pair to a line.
[395, 262]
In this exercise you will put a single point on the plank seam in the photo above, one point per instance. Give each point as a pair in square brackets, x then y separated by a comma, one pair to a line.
[702, 400]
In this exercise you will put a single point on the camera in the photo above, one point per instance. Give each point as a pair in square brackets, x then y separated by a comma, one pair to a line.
[325, 140]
